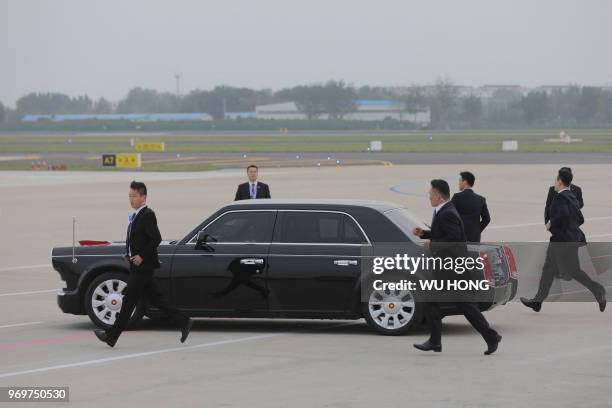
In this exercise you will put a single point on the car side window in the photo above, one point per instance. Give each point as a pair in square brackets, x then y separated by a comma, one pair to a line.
[243, 226]
[352, 233]
[319, 227]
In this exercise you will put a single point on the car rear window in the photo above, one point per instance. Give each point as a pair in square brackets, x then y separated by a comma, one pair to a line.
[320, 227]
[406, 221]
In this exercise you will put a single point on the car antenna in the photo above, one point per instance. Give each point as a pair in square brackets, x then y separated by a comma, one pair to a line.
[74, 260]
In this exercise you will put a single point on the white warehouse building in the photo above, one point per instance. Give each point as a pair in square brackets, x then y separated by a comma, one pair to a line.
[366, 110]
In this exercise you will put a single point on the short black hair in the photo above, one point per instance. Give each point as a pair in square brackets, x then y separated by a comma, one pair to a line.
[140, 187]
[566, 169]
[469, 177]
[252, 165]
[565, 177]
[441, 186]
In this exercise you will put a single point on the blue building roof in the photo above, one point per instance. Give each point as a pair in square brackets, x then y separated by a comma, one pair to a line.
[376, 102]
[132, 117]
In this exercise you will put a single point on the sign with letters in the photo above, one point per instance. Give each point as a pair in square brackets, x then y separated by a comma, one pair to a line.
[150, 147]
[109, 160]
[122, 160]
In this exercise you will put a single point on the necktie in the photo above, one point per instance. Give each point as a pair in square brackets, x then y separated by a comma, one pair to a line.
[253, 194]
[433, 217]
[127, 241]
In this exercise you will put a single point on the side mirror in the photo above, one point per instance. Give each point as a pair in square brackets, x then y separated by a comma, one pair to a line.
[202, 241]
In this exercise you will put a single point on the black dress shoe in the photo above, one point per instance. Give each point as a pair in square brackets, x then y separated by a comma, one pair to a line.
[428, 346]
[186, 329]
[104, 337]
[535, 305]
[601, 299]
[492, 346]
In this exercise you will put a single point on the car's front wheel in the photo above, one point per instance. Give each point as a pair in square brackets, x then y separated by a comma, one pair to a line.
[104, 298]
[392, 313]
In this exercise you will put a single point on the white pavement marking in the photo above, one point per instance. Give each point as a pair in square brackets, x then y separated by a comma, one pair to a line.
[563, 356]
[599, 235]
[154, 352]
[33, 292]
[15, 268]
[533, 224]
[19, 325]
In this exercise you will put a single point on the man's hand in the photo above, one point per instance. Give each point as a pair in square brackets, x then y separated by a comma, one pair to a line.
[417, 231]
[136, 260]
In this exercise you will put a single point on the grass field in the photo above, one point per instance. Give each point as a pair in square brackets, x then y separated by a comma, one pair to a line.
[464, 141]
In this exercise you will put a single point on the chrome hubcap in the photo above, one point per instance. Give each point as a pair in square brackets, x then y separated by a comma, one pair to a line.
[107, 299]
[391, 309]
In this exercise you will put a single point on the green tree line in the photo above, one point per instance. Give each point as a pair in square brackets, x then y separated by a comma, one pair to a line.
[572, 106]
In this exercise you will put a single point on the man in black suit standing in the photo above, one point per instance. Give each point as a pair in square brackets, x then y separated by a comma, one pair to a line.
[447, 238]
[141, 244]
[471, 207]
[552, 193]
[566, 237]
[252, 189]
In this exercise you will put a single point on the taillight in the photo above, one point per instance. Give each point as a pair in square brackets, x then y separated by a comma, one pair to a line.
[511, 262]
[488, 272]
[89, 242]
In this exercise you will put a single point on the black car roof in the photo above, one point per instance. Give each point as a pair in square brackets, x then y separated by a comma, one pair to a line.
[380, 206]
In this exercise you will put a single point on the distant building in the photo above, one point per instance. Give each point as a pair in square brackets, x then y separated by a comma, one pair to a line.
[279, 111]
[549, 89]
[366, 110]
[131, 117]
[488, 91]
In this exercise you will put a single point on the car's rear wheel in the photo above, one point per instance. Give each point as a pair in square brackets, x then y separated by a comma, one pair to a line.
[104, 298]
[392, 313]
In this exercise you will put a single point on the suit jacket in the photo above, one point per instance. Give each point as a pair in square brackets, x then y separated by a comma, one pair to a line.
[143, 238]
[243, 193]
[551, 195]
[473, 211]
[447, 234]
[566, 218]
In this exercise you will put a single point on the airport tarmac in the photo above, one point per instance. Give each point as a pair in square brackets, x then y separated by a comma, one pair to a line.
[289, 159]
[554, 358]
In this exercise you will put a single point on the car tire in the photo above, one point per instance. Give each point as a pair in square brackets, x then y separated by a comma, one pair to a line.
[104, 297]
[392, 313]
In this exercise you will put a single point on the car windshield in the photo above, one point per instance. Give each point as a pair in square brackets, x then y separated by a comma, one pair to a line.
[406, 221]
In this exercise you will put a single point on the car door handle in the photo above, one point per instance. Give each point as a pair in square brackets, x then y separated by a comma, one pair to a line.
[251, 261]
[345, 262]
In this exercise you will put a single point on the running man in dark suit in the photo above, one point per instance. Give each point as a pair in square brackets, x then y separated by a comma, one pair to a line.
[141, 244]
[252, 189]
[471, 207]
[560, 272]
[566, 237]
[552, 193]
[447, 238]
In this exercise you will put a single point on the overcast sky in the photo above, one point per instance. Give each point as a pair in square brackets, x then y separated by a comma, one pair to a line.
[104, 48]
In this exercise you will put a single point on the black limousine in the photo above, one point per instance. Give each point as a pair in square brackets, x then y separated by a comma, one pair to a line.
[271, 259]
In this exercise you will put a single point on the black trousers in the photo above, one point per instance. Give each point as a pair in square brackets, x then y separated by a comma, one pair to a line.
[563, 257]
[471, 313]
[141, 286]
